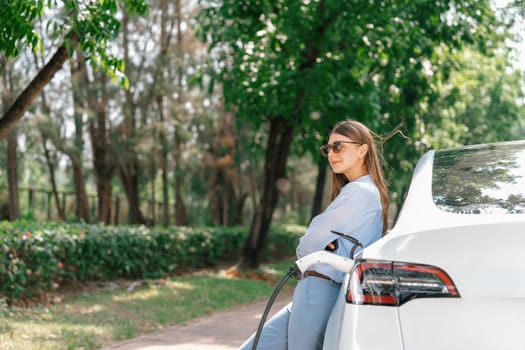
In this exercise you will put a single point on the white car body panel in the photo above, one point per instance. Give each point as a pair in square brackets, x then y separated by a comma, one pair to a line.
[473, 256]
[349, 327]
[464, 323]
[484, 255]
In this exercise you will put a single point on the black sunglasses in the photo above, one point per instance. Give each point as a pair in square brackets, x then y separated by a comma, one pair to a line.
[336, 146]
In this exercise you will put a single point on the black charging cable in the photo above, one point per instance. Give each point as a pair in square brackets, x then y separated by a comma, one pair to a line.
[352, 240]
[294, 272]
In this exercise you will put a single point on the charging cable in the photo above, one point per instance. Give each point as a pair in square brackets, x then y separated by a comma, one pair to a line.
[293, 271]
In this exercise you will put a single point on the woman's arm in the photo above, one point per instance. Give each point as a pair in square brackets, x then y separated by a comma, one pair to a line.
[356, 211]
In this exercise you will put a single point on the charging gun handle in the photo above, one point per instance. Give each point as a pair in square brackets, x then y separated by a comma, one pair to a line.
[352, 240]
[323, 257]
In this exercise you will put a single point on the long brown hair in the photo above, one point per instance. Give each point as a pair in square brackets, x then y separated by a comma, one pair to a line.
[356, 131]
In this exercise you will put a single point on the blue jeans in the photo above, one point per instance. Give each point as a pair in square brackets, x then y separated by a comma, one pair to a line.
[301, 324]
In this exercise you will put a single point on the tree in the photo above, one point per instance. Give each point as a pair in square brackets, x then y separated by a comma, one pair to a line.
[283, 62]
[225, 192]
[477, 103]
[90, 25]
[12, 144]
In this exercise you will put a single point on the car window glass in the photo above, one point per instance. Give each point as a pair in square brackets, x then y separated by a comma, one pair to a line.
[483, 179]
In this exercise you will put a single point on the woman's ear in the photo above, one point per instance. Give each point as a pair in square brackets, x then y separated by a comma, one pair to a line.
[363, 150]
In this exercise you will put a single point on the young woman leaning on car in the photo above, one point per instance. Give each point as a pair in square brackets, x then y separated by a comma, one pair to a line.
[358, 207]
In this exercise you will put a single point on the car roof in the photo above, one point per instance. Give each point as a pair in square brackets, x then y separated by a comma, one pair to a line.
[441, 184]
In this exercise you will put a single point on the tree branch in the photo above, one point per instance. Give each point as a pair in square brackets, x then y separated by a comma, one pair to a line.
[22, 103]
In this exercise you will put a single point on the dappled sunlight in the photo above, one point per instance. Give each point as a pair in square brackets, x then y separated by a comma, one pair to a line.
[270, 270]
[138, 295]
[154, 291]
[92, 309]
[180, 285]
[51, 335]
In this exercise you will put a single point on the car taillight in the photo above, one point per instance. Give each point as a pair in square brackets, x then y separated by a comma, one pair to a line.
[390, 283]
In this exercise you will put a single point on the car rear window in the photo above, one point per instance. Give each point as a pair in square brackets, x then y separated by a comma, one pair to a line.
[485, 179]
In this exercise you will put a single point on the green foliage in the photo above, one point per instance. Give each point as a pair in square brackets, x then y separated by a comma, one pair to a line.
[477, 103]
[91, 24]
[291, 58]
[36, 258]
[16, 25]
[315, 63]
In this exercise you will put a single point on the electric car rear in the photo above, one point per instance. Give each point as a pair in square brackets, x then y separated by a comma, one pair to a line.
[451, 272]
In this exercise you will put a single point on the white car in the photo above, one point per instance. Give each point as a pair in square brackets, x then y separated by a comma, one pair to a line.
[451, 272]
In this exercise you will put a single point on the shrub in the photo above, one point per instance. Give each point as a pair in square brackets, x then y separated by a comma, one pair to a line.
[40, 257]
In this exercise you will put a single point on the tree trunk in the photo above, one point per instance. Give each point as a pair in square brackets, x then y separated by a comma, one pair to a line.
[180, 208]
[103, 166]
[82, 206]
[320, 182]
[240, 209]
[130, 181]
[103, 159]
[129, 162]
[51, 167]
[22, 103]
[224, 186]
[252, 187]
[12, 149]
[76, 153]
[181, 218]
[12, 175]
[164, 165]
[153, 197]
[51, 162]
[277, 150]
[104, 194]
[166, 27]
[165, 196]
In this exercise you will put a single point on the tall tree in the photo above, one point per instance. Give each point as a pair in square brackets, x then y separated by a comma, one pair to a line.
[226, 197]
[128, 160]
[104, 163]
[51, 164]
[73, 149]
[12, 145]
[180, 208]
[166, 25]
[76, 151]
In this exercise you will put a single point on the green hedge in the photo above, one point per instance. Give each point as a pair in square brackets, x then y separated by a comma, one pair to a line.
[40, 257]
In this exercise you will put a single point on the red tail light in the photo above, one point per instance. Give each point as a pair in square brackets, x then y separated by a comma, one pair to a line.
[394, 283]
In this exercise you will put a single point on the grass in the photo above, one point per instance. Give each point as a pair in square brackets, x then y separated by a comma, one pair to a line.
[97, 318]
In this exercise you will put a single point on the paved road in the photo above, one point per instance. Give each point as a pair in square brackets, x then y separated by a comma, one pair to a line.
[220, 331]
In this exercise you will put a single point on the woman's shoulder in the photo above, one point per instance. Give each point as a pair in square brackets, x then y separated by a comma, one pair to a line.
[364, 183]
[363, 188]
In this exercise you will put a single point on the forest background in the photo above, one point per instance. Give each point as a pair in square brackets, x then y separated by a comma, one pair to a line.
[211, 113]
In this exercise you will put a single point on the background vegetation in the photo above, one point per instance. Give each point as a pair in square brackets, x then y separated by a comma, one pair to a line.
[38, 258]
[206, 113]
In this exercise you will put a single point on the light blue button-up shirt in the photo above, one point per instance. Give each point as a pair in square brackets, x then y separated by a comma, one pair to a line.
[356, 212]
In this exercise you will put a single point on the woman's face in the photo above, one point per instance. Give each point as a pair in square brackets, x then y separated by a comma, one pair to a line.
[350, 160]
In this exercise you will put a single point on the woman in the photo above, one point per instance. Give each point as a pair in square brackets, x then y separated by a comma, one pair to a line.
[359, 205]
